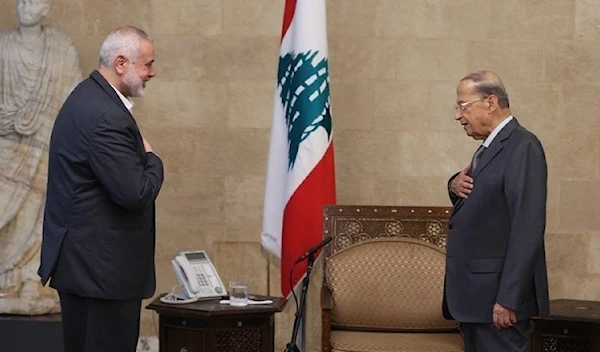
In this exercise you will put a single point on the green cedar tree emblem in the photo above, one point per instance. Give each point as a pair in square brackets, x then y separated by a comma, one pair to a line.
[304, 97]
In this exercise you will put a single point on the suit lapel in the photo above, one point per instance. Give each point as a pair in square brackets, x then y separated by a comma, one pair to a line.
[459, 203]
[102, 82]
[96, 76]
[496, 146]
[489, 154]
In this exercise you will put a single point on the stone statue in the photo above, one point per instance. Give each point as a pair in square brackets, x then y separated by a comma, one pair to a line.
[38, 69]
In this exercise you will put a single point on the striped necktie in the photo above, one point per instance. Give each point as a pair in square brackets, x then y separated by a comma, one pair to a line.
[476, 158]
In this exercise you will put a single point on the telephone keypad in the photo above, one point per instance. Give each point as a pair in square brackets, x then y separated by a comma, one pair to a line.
[201, 276]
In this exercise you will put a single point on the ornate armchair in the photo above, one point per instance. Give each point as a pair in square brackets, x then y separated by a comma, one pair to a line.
[383, 280]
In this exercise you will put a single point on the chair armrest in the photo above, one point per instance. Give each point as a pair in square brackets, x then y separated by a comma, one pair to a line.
[326, 298]
[326, 309]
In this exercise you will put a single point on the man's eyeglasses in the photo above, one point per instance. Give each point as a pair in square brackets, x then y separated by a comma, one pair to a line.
[464, 106]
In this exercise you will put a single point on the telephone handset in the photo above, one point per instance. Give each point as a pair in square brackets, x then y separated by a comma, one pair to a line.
[197, 275]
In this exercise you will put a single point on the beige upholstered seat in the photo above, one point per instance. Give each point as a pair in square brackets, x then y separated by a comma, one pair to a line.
[358, 341]
[383, 281]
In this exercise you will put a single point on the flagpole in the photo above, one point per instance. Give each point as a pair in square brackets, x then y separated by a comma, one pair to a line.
[268, 274]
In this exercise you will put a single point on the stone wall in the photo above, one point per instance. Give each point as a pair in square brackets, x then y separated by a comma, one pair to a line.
[394, 65]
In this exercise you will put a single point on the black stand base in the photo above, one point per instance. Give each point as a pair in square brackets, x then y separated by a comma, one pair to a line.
[291, 348]
[19, 333]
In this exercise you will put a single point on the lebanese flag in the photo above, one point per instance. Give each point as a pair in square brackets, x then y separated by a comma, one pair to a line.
[300, 173]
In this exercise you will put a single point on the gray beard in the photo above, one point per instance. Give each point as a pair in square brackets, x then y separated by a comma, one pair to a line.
[134, 83]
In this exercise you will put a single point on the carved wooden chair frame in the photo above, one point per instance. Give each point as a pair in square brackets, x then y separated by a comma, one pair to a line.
[350, 224]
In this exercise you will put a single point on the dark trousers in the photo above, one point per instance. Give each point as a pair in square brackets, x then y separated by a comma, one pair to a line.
[99, 325]
[486, 338]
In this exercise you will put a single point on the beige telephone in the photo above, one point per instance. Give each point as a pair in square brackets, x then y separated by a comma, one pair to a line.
[197, 276]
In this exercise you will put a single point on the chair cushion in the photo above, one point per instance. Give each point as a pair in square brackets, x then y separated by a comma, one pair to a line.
[358, 341]
[388, 284]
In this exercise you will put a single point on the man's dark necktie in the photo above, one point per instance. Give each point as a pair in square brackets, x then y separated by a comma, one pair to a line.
[476, 158]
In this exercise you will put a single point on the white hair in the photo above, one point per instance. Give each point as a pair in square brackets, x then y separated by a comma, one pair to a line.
[123, 41]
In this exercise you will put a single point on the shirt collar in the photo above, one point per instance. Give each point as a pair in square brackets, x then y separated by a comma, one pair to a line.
[496, 130]
[126, 101]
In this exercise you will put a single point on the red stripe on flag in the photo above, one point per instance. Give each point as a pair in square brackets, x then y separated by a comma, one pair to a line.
[303, 218]
[288, 15]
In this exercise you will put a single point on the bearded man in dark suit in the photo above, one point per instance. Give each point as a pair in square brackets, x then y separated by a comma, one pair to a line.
[99, 221]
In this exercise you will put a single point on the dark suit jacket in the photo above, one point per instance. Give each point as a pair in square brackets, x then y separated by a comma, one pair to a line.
[99, 226]
[495, 249]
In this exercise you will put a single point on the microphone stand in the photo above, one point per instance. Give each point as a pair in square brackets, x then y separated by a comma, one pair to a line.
[291, 346]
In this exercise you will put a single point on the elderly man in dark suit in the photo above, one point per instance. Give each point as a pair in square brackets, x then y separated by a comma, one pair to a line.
[496, 275]
[103, 178]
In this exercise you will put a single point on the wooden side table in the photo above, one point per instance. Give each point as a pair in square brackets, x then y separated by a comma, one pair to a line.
[208, 326]
[572, 326]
